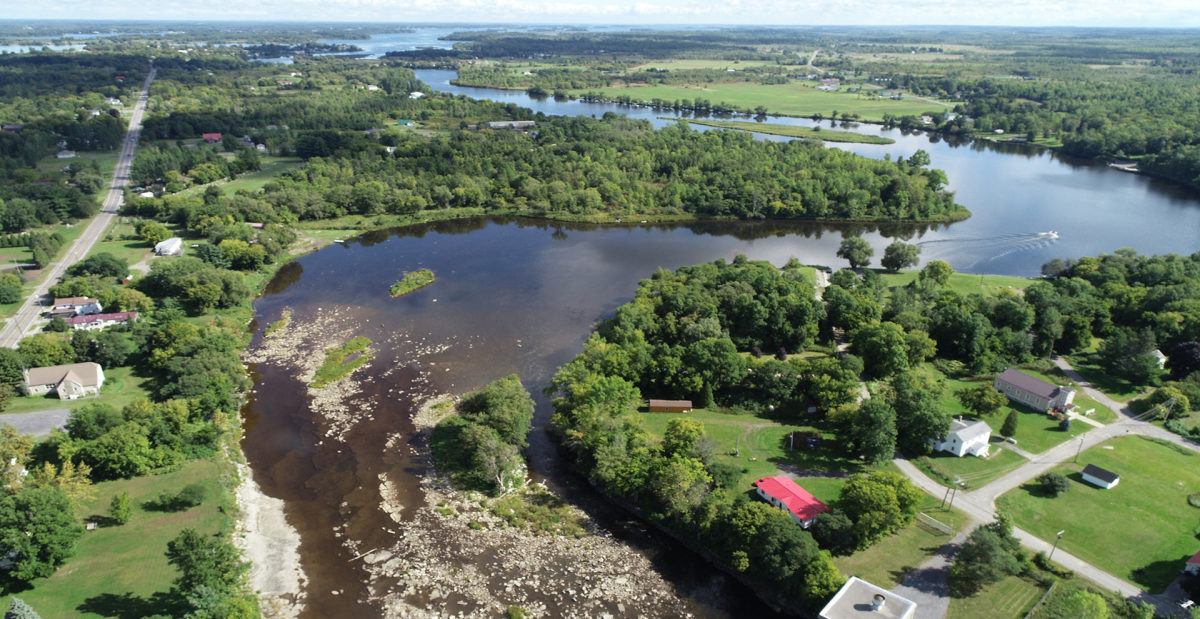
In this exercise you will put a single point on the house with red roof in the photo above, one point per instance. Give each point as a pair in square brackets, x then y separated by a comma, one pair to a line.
[211, 138]
[784, 493]
[1193, 564]
[92, 322]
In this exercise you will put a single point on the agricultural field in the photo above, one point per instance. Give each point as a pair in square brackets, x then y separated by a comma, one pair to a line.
[792, 99]
[122, 571]
[1142, 530]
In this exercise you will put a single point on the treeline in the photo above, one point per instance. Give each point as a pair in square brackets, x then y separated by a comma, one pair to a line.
[200, 164]
[582, 166]
[548, 79]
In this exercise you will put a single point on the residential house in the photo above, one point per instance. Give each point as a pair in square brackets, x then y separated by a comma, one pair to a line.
[92, 322]
[12, 127]
[670, 406]
[964, 437]
[416, 94]
[1159, 358]
[113, 101]
[170, 247]
[66, 154]
[784, 493]
[1099, 477]
[511, 124]
[1193, 564]
[1033, 392]
[68, 382]
[211, 138]
[859, 598]
[76, 306]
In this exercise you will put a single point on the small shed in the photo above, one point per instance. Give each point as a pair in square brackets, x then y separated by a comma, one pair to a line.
[65, 154]
[1099, 477]
[1193, 564]
[170, 247]
[670, 406]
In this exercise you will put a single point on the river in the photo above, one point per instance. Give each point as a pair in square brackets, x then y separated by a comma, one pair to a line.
[521, 296]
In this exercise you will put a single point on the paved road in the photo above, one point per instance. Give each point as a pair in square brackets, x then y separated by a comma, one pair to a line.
[26, 318]
[927, 585]
[37, 423]
[980, 504]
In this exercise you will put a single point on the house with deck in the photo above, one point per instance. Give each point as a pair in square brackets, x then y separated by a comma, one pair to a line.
[784, 493]
[1033, 392]
[963, 438]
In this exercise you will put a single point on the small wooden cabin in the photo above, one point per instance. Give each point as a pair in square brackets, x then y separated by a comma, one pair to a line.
[670, 406]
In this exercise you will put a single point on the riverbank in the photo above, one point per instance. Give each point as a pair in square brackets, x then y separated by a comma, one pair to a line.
[791, 131]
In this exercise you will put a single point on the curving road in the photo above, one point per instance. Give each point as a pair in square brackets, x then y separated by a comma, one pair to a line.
[980, 504]
[26, 317]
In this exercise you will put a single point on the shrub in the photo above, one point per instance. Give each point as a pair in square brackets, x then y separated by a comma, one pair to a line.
[1194, 499]
[1053, 483]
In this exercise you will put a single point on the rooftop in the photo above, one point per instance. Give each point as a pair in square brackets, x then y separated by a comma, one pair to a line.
[73, 301]
[796, 499]
[857, 598]
[967, 430]
[675, 403]
[87, 373]
[1104, 475]
[1024, 381]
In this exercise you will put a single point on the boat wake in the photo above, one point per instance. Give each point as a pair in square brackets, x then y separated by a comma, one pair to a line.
[969, 251]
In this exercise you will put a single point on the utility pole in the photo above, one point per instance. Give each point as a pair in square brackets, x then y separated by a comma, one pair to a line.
[1170, 405]
[1056, 541]
[1076, 460]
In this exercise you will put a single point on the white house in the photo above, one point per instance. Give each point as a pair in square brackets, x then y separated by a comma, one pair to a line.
[1099, 477]
[68, 382]
[1033, 392]
[93, 322]
[1159, 358]
[964, 437]
[1193, 564]
[859, 598]
[170, 247]
[65, 154]
[75, 306]
[416, 94]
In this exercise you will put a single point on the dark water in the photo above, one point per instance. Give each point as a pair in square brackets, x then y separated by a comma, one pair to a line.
[1016, 193]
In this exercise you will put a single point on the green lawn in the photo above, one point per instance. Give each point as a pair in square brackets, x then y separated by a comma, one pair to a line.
[1142, 530]
[107, 161]
[120, 388]
[887, 563]
[1036, 432]
[116, 571]
[1114, 387]
[791, 99]
[683, 64]
[122, 241]
[1008, 599]
[271, 167]
[974, 472]
[761, 446]
[828, 135]
[962, 283]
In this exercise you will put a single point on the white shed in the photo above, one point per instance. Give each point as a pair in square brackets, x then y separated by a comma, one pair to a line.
[170, 247]
[1099, 477]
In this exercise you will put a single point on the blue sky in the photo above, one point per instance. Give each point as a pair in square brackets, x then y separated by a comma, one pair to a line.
[1156, 13]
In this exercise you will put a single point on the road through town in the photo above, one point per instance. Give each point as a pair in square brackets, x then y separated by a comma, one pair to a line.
[26, 317]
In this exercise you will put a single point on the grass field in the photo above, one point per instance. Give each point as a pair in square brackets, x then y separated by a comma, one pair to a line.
[1142, 530]
[962, 283]
[1008, 599]
[122, 241]
[827, 135]
[887, 563]
[107, 160]
[122, 571]
[791, 99]
[761, 446]
[975, 472]
[684, 64]
[121, 386]
[1114, 387]
[271, 167]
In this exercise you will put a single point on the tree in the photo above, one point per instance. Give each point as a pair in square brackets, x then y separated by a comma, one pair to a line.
[872, 431]
[205, 561]
[38, 531]
[57, 325]
[45, 349]
[879, 503]
[14, 449]
[985, 558]
[18, 609]
[821, 580]
[982, 399]
[10, 288]
[1053, 484]
[855, 250]
[678, 483]
[120, 508]
[681, 436]
[1085, 604]
[153, 232]
[899, 255]
[1183, 360]
[834, 531]
[936, 273]
[883, 348]
[504, 406]
[919, 413]
[103, 264]
[1009, 427]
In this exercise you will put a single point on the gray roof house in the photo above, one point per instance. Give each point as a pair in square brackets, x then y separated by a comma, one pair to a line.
[1099, 477]
[68, 382]
[964, 437]
[1033, 392]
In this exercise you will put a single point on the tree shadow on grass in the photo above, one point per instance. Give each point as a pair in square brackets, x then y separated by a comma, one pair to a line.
[130, 606]
[1158, 575]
